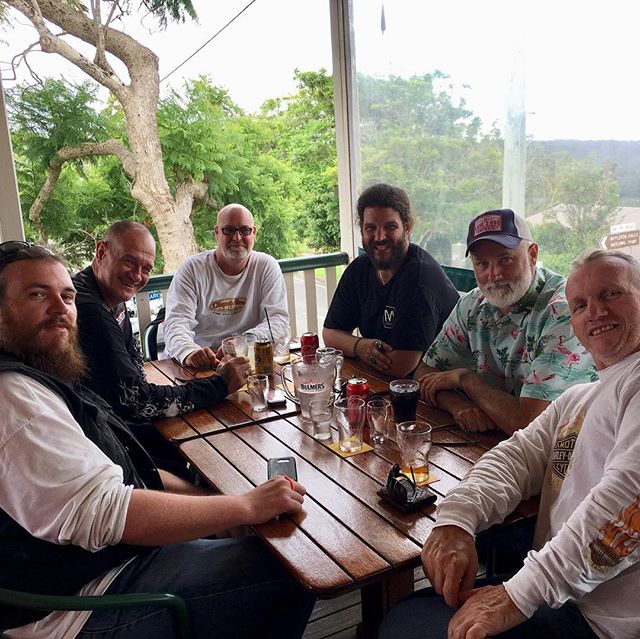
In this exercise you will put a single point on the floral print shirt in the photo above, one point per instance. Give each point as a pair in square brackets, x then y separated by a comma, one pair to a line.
[530, 352]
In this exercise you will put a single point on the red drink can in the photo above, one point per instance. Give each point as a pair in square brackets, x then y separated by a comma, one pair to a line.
[309, 343]
[358, 387]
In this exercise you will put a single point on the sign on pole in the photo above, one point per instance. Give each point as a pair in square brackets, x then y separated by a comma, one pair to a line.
[621, 240]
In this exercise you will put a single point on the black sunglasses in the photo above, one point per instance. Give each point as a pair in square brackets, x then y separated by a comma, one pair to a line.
[11, 247]
[232, 230]
[401, 487]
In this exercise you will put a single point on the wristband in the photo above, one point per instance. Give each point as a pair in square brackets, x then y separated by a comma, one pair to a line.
[355, 345]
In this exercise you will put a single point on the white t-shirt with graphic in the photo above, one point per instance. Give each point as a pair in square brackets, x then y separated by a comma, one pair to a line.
[582, 454]
[205, 305]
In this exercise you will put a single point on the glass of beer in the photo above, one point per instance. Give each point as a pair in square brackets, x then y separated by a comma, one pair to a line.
[404, 399]
[414, 440]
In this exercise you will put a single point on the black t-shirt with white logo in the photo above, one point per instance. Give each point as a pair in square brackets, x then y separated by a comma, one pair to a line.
[406, 313]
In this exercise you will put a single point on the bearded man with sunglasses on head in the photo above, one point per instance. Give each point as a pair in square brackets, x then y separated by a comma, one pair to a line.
[226, 291]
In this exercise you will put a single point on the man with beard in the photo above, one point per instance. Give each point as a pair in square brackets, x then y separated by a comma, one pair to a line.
[397, 295]
[120, 268]
[83, 510]
[507, 349]
[227, 291]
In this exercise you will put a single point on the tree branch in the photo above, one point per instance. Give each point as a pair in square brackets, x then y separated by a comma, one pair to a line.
[65, 154]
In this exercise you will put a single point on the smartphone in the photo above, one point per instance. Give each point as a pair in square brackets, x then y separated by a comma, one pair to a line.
[282, 466]
[275, 397]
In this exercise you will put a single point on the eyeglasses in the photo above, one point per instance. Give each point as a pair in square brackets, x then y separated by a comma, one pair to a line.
[232, 230]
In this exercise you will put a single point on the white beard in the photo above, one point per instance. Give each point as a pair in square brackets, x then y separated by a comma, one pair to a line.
[504, 294]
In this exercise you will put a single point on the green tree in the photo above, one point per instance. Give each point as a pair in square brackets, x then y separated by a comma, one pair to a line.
[304, 136]
[579, 199]
[416, 135]
[207, 141]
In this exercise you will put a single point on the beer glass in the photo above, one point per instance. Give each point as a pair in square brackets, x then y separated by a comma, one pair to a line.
[414, 441]
[349, 413]
[379, 417]
[404, 399]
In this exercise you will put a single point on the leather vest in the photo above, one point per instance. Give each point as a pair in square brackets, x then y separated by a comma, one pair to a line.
[33, 565]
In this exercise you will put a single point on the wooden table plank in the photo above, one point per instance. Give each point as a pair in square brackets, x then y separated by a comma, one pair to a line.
[353, 480]
[388, 542]
[293, 547]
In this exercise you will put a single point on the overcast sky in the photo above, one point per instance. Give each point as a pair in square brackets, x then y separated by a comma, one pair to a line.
[580, 62]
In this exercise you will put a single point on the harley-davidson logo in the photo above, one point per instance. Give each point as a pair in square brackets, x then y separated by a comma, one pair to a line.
[562, 452]
[228, 305]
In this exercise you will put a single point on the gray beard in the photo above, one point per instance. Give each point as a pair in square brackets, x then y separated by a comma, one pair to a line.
[507, 294]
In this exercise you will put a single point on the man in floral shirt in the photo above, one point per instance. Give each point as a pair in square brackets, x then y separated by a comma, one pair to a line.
[507, 349]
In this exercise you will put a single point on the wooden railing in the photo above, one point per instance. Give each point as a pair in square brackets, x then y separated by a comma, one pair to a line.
[308, 287]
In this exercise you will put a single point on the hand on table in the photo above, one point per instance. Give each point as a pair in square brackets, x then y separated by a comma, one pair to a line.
[450, 562]
[274, 497]
[473, 419]
[375, 353]
[202, 358]
[432, 383]
[486, 612]
[234, 371]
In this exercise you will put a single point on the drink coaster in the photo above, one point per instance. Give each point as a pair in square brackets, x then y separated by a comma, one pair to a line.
[430, 480]
[336, 448]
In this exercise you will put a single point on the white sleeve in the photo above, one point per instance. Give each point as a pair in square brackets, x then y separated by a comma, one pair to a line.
[598, 541]
[181, 319]
[54, 481]
[512, 471]
[273, 298]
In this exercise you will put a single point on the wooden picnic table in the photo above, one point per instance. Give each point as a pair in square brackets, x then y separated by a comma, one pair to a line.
[347, 537]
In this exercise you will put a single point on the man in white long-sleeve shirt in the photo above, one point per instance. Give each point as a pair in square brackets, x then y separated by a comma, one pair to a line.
[227, 291]
[84, 510]
[582, 454]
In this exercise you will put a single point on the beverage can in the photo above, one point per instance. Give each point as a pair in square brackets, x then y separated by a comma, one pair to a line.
[264, 358]
[309, 343]
[358, 387]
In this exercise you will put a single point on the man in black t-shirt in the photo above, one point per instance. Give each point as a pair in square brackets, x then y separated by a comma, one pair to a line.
[397, 295]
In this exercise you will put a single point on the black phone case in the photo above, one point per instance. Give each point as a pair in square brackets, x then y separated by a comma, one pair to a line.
[428, 498]
[282, 466]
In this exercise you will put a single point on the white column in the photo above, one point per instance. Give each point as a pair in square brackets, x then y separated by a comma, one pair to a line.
[515, 140]
[10, 216]
[347, 129]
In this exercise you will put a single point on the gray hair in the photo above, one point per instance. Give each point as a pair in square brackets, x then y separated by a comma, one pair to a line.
[602, 254]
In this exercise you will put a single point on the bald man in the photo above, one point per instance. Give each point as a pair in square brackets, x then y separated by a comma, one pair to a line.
[224, 292]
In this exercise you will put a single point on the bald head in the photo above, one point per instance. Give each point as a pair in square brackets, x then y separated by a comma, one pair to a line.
[123, 261]
[235, 233]
[234, 215]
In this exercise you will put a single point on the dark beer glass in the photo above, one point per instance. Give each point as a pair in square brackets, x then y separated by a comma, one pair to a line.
[404, 399]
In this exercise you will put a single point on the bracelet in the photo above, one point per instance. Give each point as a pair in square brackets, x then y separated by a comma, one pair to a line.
[355, 345]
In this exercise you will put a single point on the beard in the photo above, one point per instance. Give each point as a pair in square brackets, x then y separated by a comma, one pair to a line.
[398, 253]
[235, 253]
[63, 360]
[504, 294]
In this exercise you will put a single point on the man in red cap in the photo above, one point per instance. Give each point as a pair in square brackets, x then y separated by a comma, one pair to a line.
[507, 349]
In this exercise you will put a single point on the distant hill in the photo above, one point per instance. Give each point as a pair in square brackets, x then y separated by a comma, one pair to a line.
[625, 155]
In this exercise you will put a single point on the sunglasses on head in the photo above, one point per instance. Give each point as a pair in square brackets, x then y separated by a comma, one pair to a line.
[232, 230]
[11, 247]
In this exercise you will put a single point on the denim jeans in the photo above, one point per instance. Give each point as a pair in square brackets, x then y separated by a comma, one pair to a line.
[425, 615]
[232, 587]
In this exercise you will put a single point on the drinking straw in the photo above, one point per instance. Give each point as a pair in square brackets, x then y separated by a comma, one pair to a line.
[266, 312]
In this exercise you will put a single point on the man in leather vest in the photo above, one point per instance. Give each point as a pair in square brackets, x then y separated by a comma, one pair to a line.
[84, 510]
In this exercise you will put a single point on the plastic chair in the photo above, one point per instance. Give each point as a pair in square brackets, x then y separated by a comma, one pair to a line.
[173, 603]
